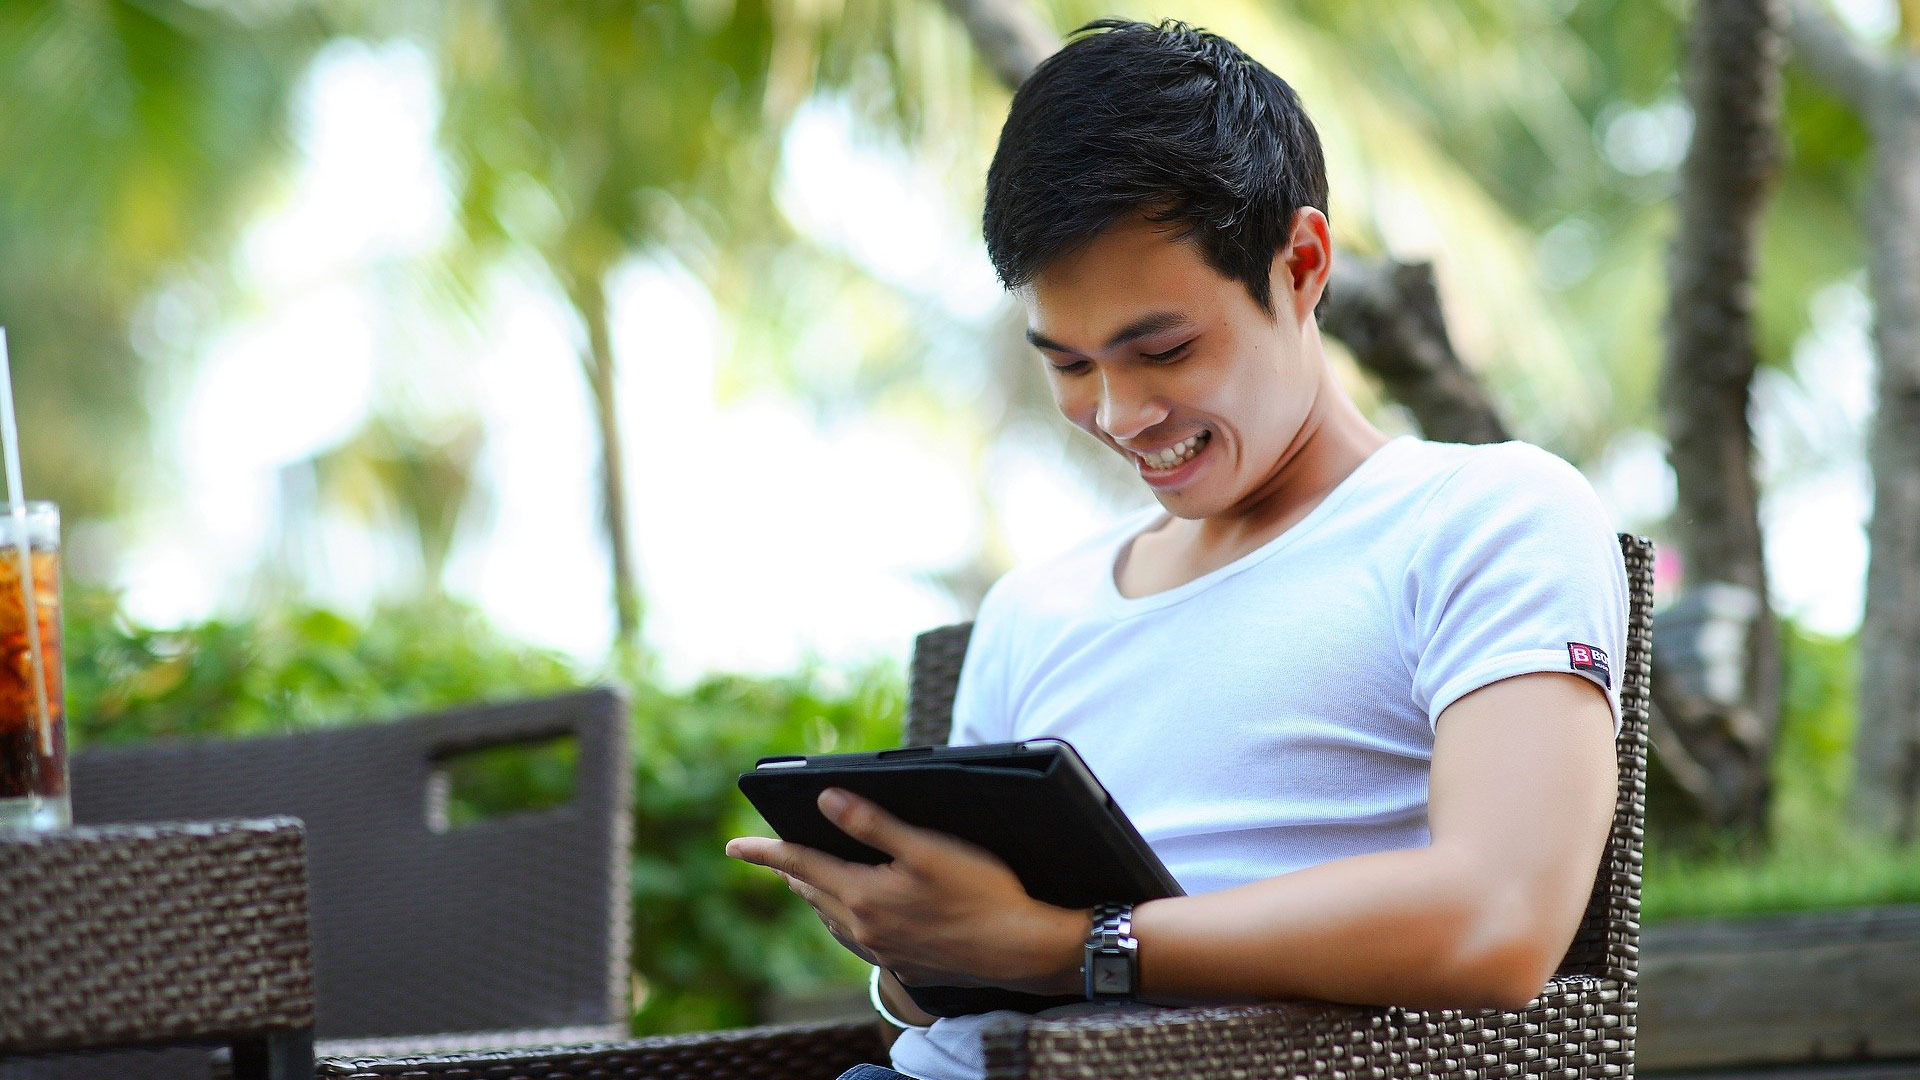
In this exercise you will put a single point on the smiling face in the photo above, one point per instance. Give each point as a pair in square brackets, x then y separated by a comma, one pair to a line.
[1161, 357]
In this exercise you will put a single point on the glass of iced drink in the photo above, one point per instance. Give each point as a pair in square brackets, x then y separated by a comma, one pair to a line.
[33, 742]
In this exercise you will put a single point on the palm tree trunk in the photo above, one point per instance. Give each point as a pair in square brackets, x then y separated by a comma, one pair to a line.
[1008, 34]
[1887, 750]
[1388, 315]
[1723, 726]
[590, 299]
[1885, 91]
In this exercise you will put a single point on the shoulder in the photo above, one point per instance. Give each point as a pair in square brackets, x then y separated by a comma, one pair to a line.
[1508, 503]
[1509, 479]
[1514, 461]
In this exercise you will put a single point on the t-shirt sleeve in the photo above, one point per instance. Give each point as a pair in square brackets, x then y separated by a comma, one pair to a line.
[1515, 568]
[980, 698]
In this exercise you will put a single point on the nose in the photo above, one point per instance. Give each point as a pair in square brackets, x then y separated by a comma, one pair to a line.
[1126, 408]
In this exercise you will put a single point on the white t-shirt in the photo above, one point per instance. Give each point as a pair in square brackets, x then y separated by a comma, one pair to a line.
[1279, 711]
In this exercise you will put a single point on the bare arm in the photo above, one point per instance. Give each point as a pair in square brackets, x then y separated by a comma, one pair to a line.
[1522, 792]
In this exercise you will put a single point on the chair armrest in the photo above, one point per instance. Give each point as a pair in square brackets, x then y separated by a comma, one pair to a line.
[451, 1044]
[786, 1052]
[1578, 1027]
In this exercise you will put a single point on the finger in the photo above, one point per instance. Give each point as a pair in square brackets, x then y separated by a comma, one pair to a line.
[796, 860]
[825, 904]
[911, 846]
[833, 914]
[866, 821]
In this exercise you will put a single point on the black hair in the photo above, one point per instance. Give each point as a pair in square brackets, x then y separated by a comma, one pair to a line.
[1169, 122]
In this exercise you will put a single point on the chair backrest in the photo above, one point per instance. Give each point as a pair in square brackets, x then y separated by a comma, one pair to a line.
[514, 922]
[1608, 942]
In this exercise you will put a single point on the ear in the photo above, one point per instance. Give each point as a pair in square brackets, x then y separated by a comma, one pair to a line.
[1300, 269]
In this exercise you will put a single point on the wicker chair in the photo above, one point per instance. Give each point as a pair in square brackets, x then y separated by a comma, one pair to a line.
[510, 931]
[1581, 1026]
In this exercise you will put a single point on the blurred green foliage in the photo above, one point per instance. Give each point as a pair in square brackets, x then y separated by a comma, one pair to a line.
[1813, 754]
[712, 935]
[712, 938]
[1809, 859]
[286, 670]
[495, 781]
[1794, 873]
[138, 140]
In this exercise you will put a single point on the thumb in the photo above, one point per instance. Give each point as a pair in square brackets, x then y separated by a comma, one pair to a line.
[866, 821]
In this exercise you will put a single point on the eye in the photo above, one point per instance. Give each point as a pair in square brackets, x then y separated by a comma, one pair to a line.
[1074, 368]
[1170, 353]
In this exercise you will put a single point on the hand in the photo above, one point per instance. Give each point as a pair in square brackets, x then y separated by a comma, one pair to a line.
[942, 911]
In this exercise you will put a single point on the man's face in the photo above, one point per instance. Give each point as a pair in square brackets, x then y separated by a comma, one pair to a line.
[1157, 355]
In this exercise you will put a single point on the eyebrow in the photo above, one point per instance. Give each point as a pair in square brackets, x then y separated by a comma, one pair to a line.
[1146, 324]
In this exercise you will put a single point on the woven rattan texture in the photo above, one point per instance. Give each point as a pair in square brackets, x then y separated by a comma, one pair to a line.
[512, 922]
[932, 678]
[1579, 1028]
[113, 936]
[1608, 942]
[796, 1052]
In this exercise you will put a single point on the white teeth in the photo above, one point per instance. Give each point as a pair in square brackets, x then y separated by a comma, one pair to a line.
[1174, 455]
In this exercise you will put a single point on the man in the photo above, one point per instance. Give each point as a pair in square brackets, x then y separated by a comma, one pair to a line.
[1353, 689]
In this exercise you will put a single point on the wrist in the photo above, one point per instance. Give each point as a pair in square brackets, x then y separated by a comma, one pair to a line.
[1054, 951]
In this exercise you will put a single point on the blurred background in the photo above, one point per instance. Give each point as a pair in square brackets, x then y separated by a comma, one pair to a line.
[383, 356]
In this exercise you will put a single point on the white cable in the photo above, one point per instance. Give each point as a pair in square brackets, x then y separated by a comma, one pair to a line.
[880, 1006]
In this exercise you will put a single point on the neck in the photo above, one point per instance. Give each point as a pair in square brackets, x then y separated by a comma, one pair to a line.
[1331, 442]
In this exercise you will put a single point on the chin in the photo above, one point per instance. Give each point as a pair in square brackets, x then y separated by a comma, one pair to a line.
[1180, 504]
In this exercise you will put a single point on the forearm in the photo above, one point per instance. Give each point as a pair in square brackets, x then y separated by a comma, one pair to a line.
[1519, 815]
[1416, 928]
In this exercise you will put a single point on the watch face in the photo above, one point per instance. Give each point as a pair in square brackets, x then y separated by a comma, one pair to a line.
[1110, 975]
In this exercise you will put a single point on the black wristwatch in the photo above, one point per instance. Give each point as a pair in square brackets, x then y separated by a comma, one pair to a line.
[1112, 965]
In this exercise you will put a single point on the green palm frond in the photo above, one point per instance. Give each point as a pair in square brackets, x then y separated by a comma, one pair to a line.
[135, 141]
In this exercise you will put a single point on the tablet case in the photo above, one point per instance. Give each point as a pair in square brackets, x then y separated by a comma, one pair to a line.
[1034, 804]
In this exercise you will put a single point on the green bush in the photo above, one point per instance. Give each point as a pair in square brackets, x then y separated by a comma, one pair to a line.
[1789, 874]
[1809, 858]
[1812, 766]
[712, 937]
[288, 670]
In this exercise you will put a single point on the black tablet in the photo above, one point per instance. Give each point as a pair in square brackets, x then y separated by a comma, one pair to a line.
[1035, 804]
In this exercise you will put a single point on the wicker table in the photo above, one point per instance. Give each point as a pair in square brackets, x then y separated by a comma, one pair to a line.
[147, 935]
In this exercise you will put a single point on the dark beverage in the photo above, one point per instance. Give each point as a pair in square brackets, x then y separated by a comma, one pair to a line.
[33, 748]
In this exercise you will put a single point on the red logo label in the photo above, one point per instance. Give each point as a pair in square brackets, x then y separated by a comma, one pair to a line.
[1589, 659]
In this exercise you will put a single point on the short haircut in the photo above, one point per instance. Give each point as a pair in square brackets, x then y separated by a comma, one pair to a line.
[1167, 122]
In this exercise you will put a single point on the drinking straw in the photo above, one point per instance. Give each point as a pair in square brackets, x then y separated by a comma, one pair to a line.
[17, 505]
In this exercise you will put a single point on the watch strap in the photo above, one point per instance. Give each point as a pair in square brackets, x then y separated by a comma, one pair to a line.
[1112, 964]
